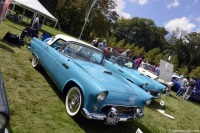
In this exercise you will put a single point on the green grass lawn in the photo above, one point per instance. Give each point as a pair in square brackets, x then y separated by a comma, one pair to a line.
[37, 106]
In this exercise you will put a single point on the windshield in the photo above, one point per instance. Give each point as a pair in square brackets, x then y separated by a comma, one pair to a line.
[83, 52]
[146, 67]
[123, 61]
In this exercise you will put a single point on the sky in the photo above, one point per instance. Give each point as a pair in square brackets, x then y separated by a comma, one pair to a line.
[170, 14]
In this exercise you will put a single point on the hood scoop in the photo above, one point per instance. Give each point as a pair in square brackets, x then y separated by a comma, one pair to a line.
[107, 72]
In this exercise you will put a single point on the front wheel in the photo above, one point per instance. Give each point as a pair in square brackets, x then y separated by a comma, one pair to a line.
[35, 61]
[74, 102]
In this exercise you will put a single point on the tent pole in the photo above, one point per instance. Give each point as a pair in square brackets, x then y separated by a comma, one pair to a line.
[23, 13]
[55, 24]
[43, 21]
[13, 7]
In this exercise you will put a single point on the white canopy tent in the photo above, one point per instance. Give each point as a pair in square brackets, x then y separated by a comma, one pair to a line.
[36, 7]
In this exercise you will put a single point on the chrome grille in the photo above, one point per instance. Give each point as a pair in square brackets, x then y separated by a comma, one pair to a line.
[120, 109]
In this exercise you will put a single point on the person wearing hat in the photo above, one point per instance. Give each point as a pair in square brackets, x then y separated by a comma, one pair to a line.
[183, 86]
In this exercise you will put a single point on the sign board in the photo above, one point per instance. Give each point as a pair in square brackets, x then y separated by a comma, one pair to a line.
[166, 70]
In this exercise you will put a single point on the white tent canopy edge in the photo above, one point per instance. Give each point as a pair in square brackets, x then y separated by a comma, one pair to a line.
[36, 7]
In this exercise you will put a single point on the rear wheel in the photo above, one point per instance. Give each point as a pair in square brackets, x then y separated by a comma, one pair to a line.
[74, 102]
[35, 61]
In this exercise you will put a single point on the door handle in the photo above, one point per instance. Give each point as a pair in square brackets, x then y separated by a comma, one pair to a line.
[65, 66]
[46, 48]
[121, 71]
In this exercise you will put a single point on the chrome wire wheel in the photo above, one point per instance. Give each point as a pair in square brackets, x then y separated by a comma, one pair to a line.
[73, 101]
[35, 61]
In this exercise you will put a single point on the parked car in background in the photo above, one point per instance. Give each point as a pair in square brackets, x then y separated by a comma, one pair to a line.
[89, 88]
[145, 69]
[196, 92]
[4, 108]
[125, 67]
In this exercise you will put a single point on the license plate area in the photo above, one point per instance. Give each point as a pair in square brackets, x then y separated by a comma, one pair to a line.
[111, 121]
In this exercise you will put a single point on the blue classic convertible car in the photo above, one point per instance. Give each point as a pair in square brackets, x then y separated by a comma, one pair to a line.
[4, 108]
[126, 68]
[91, 90]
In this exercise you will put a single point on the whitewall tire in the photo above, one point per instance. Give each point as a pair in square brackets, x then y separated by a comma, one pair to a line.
[35, 61]
[74, 102]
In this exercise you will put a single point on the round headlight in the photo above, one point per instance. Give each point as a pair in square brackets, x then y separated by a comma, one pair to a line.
[145, 85]
[101, 96]
[148, 101]
[3, 121]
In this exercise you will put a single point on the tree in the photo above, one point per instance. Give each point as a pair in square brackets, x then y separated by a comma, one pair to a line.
[71, 15]
[141, 31]
[152, 54]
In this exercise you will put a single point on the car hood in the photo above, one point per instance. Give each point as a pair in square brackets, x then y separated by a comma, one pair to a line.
[138, 77]
[133, 75]
[147, 72]
[107, 79]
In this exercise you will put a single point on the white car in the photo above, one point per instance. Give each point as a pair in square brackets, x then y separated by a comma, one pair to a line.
[145, 69]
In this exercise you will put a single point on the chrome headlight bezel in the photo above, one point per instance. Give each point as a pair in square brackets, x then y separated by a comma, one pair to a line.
[144, 85]
[102, 96]
[3, 121]
[148, 101]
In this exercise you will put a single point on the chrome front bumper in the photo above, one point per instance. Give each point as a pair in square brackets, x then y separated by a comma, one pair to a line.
[123, 118]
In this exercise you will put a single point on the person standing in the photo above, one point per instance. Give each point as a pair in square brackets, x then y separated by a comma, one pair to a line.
[138, 61]
[192, 84]
[183, 86]
[95, 42]
[157, 70]
[102, 45]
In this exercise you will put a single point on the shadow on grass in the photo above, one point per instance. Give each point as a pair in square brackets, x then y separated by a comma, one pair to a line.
[12, 44]
[95, 126]
[6, 48]
[156, 105]
[52, 84]
[10, 22]
[172, 96]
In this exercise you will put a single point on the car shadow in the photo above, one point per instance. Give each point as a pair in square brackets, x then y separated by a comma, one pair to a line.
[172, 96]
[156, 105]
[51, 83]
[95, 126]
[6, 48]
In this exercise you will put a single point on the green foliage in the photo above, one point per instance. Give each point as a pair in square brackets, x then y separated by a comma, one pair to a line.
[127, 46]
[112, 42]
[174, 61]
[141, 31]
[142, 51]
[121, 44]
[151, 54]
[158, 57]
[195, 73]
[183, 70]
